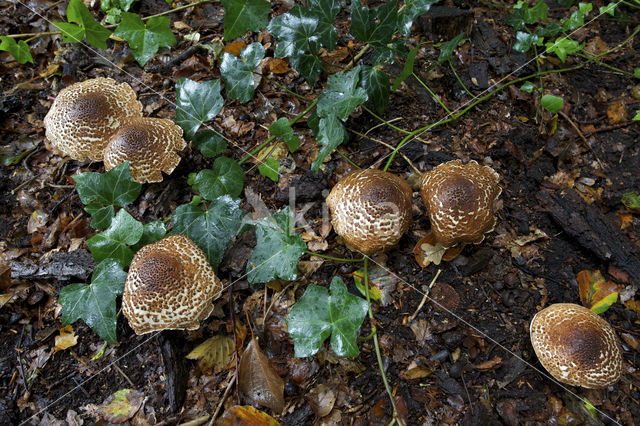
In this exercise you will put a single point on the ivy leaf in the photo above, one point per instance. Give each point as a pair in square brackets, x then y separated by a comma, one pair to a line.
[197, 103]
[95, 303]
[151, 232]
[374, 26]
[376, 83]
[78, 13]
[19, 51]
[407, 70]
[210, 143]
[283, 128]
[124, 231]
[277, 251]
[317, 315]
[563, 46]
[241, 16]
[145, 39]
[523, 15]
[330, 134]
[326, 11]
[446, 50]
[270, 169]
[237, 73]
[551, 103]
[608, 9]
[299, 39]
[528, 87]
[225, 177]
[577, 18]
[524, 41]
[114, 9]
[412, 9]
[101, 215]
[342, 95]
[210, 229]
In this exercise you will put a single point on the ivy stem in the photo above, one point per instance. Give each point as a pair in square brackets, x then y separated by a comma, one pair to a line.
[337, 259]
[455, 73]
[258, 148]
[433, 95]
[374, 332]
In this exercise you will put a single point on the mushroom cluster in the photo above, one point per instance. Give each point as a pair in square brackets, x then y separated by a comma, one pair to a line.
[100, 119]
[170, 286]
[576, 346]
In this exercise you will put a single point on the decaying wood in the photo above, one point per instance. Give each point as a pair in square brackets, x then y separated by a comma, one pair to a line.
[592, 230]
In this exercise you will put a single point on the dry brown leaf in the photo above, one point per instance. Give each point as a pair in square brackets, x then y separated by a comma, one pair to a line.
[66, 339]
[5, 275]
[617, 111]
[259, 382]
[491, 364]
[245, 415]
[321, 399]
[234, 47]
[278, 66]
[213, 354]
[416, 372]
[427, 251]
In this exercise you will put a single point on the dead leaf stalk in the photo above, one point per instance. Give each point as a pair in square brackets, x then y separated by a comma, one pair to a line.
[425, 297]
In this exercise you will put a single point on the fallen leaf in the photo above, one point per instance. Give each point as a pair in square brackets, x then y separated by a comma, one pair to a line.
[259, 382]
[382, 283]
[213, 354]
[5, 275]
[596, 293]
[234, 47]
[278, 66]
[321, 399]
[122, 405]
[617, 111]
[66, 339]
[427, 250]
[491, 364]
[416, 372]
[246, 415]
[626, 220]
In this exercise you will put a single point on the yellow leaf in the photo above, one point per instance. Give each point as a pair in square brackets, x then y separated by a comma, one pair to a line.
[593, 288]
[66, 339]
[213, 354]
[246, 415]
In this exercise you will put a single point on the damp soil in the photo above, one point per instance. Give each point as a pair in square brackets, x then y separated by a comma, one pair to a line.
[463, 357]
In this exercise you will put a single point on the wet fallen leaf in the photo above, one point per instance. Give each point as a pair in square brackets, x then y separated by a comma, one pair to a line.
[633, 305]
[122, 405]
[491, 364]
[259, 382]
[626, 220]
[234, 47]
[382, 283]
[596, 293]
[444, 297]
[245, 415]
[66, 339]
[278, 66]
[321, 399]
[427, 250]
[416, 372]
[213, 354]
[617, 111]
[5, 275]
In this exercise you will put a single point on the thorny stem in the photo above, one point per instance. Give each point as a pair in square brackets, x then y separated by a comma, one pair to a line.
[497, 90]
[337, 259]
[374, 332]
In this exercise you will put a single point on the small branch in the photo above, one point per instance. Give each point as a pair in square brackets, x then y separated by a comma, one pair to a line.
[221, 403]
[425, 297]
[577, 129]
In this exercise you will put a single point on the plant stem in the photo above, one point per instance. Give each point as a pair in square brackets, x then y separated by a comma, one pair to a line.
[433, 95]
[347, 159]
[337, 259]
[374, 332]
[377, 117]
[459, 79]
[257, 149]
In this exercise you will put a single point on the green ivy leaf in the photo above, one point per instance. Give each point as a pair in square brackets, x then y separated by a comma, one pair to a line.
[100, 192]
[342, 95]
[241, 16]
[330, 134]
[299, 39]
[376, 83]
[551, 103]
[407, 70]
[317, 315]
[283, 129]
[237, 73]
[446, 50]
[374, 26]
[636, 117]
[270, 169]
[326, 11]
[577, 18]
[523, 15]
[210, 143]
[550, 30]
[114, 9]
[225, 177]
[145, 39]
[528, 87]
[631, 200]
[95, 303]
[563, 46]
[524, 41]
[197, 103]
[277, 250]
[412, 9]
[19, 50]
[78, 13]
[114, 242]
[151, 232]
[210, 229]
[608, 9]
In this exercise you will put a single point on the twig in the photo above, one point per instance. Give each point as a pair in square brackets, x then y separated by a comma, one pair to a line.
[577, 129]
[425, 297]
[235, 341]
[224, 397]
[123, 375]
[362, 135]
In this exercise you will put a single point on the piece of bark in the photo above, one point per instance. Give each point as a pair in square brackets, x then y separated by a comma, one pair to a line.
[445, 23]
[177, 374]
[592, 230]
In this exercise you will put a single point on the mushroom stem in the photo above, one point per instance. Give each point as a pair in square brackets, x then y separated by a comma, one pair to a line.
[374, 332]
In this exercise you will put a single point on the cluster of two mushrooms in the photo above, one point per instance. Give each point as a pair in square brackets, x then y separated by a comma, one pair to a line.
[99, 119]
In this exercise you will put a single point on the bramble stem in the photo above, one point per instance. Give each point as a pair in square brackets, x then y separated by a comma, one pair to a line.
[337, 259]
[374, 332]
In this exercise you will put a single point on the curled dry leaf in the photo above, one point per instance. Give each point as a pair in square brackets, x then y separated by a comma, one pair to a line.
[246, 415]
[321, 399]
[213, 354]
[278, 66]
[66, 339]
[259, 382]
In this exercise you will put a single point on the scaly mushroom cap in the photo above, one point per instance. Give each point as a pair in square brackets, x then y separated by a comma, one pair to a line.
[149, 144]
[576, 346]
[460, 200]
[370, 209]
[84, 116]
[170, 286]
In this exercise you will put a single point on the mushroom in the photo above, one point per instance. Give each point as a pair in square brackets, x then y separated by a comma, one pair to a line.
[84, 116]
[460, 199]
[149, 144]
[370, 209]
[576, 346]
[170, 286]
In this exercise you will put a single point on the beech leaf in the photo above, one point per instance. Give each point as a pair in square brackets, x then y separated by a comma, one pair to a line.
[259, 382]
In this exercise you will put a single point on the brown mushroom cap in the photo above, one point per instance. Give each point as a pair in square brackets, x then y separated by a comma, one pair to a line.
[576, 346]
[170, 286]
[149, 144]
[84, 116]
[370, 209]
[460, 199]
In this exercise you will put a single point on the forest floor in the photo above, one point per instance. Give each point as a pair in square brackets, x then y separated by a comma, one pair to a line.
[465, 360]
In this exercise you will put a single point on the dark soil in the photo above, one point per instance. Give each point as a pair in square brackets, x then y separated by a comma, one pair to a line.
[471, 363]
